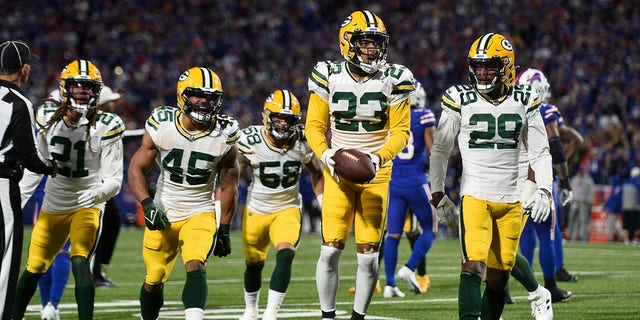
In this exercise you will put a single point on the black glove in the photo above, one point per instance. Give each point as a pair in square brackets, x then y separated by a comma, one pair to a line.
[223, 243]
[154, 218]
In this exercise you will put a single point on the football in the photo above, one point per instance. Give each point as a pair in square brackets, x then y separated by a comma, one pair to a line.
[354, 165]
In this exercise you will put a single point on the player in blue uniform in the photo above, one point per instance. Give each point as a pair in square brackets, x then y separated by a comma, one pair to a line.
[409, 189]
[548, 232]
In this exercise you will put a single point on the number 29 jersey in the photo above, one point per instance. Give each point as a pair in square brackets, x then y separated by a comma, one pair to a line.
[490, 138]
[275, 172]
[359, 109]
[188, 161]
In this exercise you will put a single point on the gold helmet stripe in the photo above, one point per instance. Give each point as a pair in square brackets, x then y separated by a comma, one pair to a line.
[483, 44]
[371, 19]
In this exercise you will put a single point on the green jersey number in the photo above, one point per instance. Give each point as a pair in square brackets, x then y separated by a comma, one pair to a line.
[172, 162]
[67, 146]
[484, 139]
[290, 169]
[344, 119]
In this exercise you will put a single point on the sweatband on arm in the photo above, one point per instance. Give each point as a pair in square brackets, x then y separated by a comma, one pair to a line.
[557, 153]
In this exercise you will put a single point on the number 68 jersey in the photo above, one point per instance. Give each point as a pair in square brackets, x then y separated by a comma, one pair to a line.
[83, 164]
[188, 161]
[275, 172]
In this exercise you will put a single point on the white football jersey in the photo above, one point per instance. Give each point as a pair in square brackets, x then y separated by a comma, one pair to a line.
[188, 161]
[82, 163]
[359, 109]
[275, 172]
[490, 138]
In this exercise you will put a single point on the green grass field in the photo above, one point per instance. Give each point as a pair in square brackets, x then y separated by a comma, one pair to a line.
[608, 286]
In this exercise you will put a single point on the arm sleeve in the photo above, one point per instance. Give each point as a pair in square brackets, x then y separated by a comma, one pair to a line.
[317, 123]
[28, 185]
[443, 144]
[538, 150]
[399, 128]
[24, 142]
[111, 168]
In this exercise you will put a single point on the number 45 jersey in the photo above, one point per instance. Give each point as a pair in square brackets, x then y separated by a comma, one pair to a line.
[359, 109]
[188, 161]
[275, 172]
[83, 163]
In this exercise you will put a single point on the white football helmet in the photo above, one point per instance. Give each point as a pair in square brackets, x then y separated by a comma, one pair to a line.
[418, 96]
[537, 80]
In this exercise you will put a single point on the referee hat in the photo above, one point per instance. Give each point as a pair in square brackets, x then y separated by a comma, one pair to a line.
[15, 54]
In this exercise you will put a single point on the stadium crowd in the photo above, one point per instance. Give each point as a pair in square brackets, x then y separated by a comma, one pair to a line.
[588, 50]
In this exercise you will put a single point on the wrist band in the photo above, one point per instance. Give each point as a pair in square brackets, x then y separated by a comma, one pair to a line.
[146, 201]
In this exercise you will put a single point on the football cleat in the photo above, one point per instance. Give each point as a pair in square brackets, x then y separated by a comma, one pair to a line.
[559, 295]
[390, 292]
[377, 289]
[409, 277]
[424, 282]
[49, 312]
[541, 308]
[563, 275]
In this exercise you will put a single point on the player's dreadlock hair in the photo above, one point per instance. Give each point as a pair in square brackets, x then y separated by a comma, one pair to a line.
[91, 115]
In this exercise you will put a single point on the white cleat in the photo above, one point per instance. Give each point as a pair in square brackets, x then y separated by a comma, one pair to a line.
[410, 278]
[250, 314]
[541, 308]
[390, 292]
[270, 313]
[49, 312]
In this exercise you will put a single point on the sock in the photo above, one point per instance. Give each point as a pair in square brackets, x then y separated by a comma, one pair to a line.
[85, 289]
[60, 270]
[558, 246]
[366, 278]
[253, 277]
[193, 314]
[194, 293]
[44, 286]
[24, 291]
[251, 301]
[492, 303]
[422, 246]
[282, 272]
[390, 260]
[550, 283]
[523, 273]
[528, 241]
[327, 276]
[274, 301]
[469, 299]
[422, 267]
[150, 303]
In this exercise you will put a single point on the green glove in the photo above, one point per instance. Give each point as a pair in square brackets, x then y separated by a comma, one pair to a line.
[154, 218]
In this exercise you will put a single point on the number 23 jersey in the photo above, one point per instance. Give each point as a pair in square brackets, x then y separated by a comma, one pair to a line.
[359, 109]
[188, 161]
[275, 172]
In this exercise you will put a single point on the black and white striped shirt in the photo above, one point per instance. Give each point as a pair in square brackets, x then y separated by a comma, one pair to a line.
[17, 147]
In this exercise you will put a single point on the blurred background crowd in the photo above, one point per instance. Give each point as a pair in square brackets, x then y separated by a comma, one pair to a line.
[588, 50]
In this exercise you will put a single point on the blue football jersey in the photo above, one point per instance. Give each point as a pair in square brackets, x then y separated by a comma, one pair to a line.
[410, 165]
[550, 113]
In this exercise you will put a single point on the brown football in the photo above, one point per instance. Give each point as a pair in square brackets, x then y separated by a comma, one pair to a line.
[354, 165]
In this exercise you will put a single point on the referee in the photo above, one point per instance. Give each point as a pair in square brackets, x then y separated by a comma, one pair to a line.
[17, 151]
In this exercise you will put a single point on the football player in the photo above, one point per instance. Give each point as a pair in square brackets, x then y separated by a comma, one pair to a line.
[276, 152]
[545, 232]
[363, 102]
[488, 117]
[409, 189]
[86, 145]
[193, 145]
